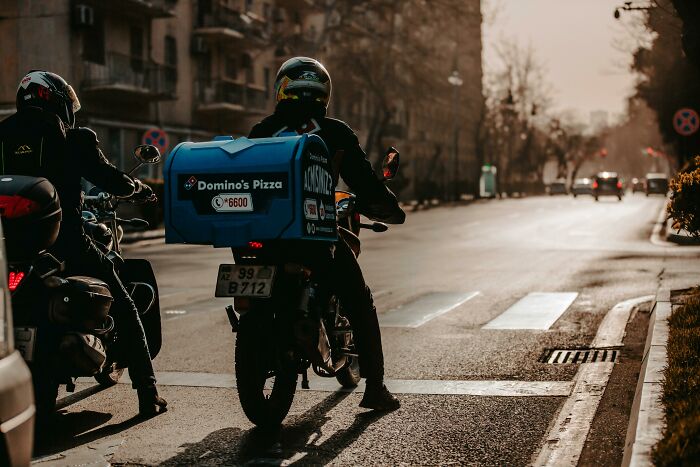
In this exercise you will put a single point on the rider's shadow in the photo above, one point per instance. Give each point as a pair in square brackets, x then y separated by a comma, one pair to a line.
[233, 446]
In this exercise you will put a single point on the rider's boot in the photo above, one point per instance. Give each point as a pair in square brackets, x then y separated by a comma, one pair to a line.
[150, 403]
[377, 397]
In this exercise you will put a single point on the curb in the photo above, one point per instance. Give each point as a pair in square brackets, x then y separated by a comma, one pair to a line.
[647, 422]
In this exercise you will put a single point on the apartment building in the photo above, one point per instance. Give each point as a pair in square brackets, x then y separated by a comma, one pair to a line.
[194, 68]
[200, 68]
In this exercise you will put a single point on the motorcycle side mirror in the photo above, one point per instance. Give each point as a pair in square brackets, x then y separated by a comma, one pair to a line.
[390, 165]
[147, 154]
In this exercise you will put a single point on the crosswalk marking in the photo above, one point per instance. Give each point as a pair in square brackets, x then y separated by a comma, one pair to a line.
[509, 388]
[537, 311]
[424, 309]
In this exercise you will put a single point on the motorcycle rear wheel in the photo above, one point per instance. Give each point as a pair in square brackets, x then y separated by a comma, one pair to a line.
[263, 407]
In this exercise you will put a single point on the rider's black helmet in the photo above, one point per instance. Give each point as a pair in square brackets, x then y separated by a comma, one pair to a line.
[304, 80]
[50, 92]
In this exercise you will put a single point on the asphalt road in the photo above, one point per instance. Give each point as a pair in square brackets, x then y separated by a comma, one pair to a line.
[548, 268]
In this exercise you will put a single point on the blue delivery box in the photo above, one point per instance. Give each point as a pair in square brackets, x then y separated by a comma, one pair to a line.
[227, 192]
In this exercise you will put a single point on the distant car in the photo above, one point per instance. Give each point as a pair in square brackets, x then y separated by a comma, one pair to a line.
[16, 393]
[656, 183]
[607, 184]
[582, 186]
[637, 185]
[557, 187]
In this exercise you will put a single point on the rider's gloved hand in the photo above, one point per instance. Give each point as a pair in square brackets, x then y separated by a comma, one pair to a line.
[144, 191]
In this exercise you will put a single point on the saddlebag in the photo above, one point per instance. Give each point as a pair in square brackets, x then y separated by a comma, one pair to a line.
[79, 302]
[31, 215]
[80, 354]
[227, 192]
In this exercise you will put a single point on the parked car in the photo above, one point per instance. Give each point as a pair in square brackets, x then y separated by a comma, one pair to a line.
[16, 393]
[582, 186]
[637, 185]
[557, 187]
[656, 183]
[607, 184]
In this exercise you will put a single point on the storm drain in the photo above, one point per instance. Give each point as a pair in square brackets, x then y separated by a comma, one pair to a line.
[573, 356]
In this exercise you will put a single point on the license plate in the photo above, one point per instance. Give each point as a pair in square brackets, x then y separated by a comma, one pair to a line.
[244, 281]
[232, 202]
[25, 340]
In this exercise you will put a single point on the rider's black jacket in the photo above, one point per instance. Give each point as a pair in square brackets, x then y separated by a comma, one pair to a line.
[375, 200]
[35, 142]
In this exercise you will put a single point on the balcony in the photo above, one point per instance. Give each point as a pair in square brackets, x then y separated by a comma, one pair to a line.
[142, 8]
[128, 78]
[226, 97]
[225, 24]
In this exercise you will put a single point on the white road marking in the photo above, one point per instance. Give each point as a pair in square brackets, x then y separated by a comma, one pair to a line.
[424, 309]
[564, 442]
[537, 310]
[398, 386]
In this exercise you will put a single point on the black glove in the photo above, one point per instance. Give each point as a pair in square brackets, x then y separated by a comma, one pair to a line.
[143, 191]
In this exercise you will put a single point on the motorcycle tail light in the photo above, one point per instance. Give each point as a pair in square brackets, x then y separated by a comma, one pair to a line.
[255, 245]
[12, 207]
[595, 185]
[619, 184]
[241, 304]
[14, 279]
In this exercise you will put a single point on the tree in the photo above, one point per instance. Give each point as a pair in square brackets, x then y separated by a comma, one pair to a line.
[668, 81]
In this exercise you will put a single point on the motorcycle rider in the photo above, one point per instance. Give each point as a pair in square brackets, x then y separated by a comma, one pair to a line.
[40, 140]
[303, 90]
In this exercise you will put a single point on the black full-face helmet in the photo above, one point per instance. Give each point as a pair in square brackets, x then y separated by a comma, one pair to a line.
[50, 92]
[304, 80]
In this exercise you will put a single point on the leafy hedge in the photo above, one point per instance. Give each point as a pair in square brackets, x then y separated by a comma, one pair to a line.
[681, 388]
[684, 207]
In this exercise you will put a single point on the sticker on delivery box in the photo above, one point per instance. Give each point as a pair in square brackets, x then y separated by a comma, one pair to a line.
[232, 202]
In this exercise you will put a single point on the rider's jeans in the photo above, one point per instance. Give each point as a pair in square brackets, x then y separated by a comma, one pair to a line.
[356, 300]
[84, 258]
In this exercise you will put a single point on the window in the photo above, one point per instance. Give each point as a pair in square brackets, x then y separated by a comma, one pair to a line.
[136, 36]
[204, 67]
[94, 40]
[231, 67]
[170, 61]
[247, 64]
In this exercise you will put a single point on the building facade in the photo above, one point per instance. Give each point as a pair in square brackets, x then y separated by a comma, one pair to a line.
[200, 68]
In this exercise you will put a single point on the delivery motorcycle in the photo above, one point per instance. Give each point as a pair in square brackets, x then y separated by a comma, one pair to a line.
[63, 327]
[286, 318]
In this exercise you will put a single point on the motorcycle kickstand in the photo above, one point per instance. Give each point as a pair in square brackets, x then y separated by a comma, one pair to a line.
[305, 379]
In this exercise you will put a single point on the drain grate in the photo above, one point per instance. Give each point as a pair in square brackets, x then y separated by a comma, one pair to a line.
[574, 356]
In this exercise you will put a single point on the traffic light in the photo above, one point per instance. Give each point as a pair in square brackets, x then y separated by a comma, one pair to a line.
[604, 153]
[650, 152]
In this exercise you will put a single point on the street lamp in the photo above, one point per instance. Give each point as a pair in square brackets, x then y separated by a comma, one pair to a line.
[456, 82]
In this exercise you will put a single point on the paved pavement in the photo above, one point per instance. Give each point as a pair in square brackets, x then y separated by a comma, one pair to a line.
[470, 300]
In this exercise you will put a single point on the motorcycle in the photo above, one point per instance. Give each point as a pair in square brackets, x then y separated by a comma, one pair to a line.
[63, 327]
[300, 324]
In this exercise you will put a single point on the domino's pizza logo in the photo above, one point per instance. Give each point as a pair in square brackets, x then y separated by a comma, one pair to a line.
[190, 183]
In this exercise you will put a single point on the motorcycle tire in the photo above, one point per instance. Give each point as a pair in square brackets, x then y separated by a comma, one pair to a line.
[349, 377]
[109, 375]
[263, 408]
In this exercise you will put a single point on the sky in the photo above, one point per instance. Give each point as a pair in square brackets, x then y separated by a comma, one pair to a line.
[584, 50]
